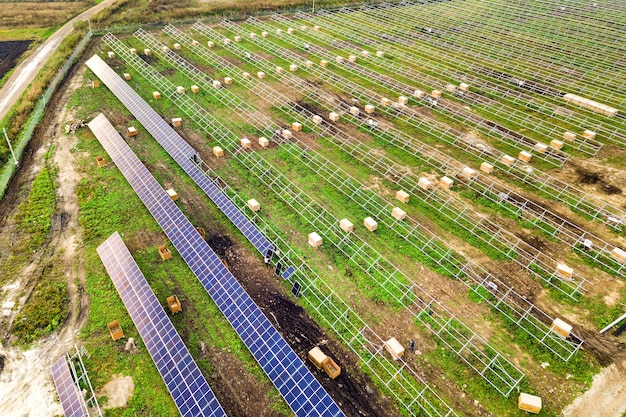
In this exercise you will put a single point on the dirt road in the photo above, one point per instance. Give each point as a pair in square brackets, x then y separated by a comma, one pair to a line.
[25, 72]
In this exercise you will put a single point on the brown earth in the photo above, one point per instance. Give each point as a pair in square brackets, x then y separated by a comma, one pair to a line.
[10, 51]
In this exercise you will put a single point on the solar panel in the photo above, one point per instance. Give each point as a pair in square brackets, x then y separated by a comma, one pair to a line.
[296, 289]
[71, 399]
[294, 381]
[177, 148]
[279, 267]
[288, 272]
[179, 371]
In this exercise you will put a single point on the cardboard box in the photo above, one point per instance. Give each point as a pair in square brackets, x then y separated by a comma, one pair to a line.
[446, 183]
[619, 255]
[507, 160]
[469, 173]
[254, 205]
[173, 194]
[346, 225]
[398, 213]
[530, 403]
[402, 196]
[525, 156]
[486, 167]
[561, 328]
[395, 349]
[589, 134]
[315, 240]
[556, 144]
[370, 224]
[564, 271]
[246, 143]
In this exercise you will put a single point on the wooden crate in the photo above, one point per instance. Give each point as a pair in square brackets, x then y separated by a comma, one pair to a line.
[165, 253]
[174, 304]
[115, 330]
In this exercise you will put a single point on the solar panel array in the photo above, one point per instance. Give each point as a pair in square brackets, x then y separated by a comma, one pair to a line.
[178, 149]
[179, 371]
[71, 399]
[294, 381]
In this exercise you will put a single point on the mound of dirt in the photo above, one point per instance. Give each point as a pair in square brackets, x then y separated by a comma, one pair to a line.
[604, 348]
[588, 177]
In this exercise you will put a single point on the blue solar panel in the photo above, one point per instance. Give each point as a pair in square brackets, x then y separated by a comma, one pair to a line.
[287, 372]
[288, 272]
[181, 374]
[177, 148]
[71, 399]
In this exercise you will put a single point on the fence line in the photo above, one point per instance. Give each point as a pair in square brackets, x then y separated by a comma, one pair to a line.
[37, 114]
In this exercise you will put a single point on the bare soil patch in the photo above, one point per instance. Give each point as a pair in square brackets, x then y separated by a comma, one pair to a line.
[25, 382]
[118, 391]
[605, 398]
[352, 390]
[10, 51]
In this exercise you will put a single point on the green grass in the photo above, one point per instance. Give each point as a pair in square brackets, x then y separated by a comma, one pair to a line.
[34, 215]
[46, 308]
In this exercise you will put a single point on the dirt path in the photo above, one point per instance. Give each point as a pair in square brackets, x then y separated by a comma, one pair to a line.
[26, 71]
[605, 398]
[25, 383]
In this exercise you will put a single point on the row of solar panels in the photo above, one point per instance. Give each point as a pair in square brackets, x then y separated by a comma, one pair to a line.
[188, 388]
[179, 371]
[177, 148]
[72, 400]
[294, 381]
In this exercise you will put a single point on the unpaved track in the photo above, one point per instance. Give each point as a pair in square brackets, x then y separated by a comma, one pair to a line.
[26, 386]
[605, 398]
[26, 71]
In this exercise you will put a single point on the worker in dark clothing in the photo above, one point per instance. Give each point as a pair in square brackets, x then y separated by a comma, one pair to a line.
[412, 345]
